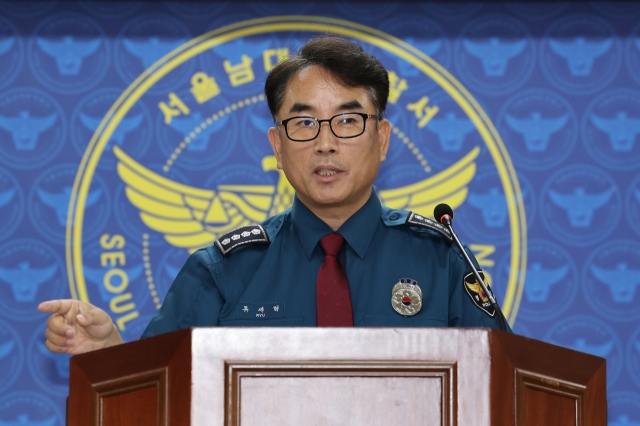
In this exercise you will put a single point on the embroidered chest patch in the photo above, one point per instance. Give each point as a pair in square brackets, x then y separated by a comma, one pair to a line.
[477, 295]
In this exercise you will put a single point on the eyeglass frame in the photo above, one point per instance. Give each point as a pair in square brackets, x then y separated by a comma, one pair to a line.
[328, 120]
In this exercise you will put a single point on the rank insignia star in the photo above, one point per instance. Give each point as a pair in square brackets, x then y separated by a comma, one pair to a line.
[240, 236]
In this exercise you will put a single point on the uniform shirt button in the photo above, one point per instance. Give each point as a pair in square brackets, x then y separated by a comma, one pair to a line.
[394, 216]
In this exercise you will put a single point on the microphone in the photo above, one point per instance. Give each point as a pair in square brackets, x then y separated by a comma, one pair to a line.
[443, 213]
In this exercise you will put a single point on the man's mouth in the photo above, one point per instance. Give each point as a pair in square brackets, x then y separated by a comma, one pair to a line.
[326, 172]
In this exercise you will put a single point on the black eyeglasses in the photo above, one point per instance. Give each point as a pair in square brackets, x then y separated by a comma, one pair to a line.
[347, 125]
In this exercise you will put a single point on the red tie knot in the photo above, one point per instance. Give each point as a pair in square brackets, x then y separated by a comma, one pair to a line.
[331, 244]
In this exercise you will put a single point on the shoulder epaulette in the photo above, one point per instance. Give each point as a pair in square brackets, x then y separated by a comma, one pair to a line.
[416, 220]
[245, 235]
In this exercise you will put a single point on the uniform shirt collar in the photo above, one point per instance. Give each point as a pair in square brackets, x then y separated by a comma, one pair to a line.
[358, 230]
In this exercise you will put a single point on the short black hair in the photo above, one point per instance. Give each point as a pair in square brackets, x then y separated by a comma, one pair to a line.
[344, 60]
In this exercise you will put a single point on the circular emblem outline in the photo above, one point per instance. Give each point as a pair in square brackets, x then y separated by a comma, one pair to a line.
[314, 24]
[406, 297]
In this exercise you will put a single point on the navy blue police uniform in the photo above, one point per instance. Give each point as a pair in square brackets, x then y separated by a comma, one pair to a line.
[265, 275]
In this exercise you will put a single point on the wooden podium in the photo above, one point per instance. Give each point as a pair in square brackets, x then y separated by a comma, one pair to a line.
[339, 376]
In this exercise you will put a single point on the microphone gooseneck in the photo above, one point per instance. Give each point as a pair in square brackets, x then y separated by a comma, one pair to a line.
[443, 213]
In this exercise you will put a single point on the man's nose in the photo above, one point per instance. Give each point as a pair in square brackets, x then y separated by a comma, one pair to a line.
[326, 142]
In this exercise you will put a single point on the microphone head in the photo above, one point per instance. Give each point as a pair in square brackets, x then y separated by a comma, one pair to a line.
[441, 211]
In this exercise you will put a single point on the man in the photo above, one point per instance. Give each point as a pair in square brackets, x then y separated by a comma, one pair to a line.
[329, 138]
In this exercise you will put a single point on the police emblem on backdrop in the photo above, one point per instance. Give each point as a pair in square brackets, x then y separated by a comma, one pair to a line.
[69, 53]
[495, 65]
[539, 127]
[30, 271]
[552, 281]
[134, 134]
[32, 128]
[610, 280]
[590, 335]
[576, 64]
[623, 408]
[50, 370]
[485, 214]
[579, 205]
[49, 197]
[29, 408]
[610, 128]
[477, 294]
[406, 297]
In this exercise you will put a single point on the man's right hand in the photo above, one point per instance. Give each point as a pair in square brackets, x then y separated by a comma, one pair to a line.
[77, 327]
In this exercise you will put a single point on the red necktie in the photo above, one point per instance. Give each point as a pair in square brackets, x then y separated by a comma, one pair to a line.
[333, 299]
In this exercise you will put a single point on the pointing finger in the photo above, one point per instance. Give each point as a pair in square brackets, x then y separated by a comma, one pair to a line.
[55, 306]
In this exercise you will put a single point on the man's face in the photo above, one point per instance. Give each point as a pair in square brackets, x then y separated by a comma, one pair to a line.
[330, 175]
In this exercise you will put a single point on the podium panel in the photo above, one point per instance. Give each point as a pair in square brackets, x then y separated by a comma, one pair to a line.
[358, 376]
[341, 393]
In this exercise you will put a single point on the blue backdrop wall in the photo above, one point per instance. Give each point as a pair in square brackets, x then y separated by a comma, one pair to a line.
[132, 133]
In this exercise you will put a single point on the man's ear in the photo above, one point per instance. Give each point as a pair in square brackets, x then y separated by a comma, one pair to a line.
[384, 134]
[276, 144]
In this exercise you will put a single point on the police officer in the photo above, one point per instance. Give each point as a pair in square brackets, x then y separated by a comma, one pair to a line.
[388, 267]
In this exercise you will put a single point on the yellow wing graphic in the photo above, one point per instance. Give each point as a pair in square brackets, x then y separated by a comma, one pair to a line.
[449, 186]
[191, 217]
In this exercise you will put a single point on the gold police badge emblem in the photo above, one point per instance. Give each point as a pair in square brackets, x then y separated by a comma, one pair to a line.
[406, 297]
